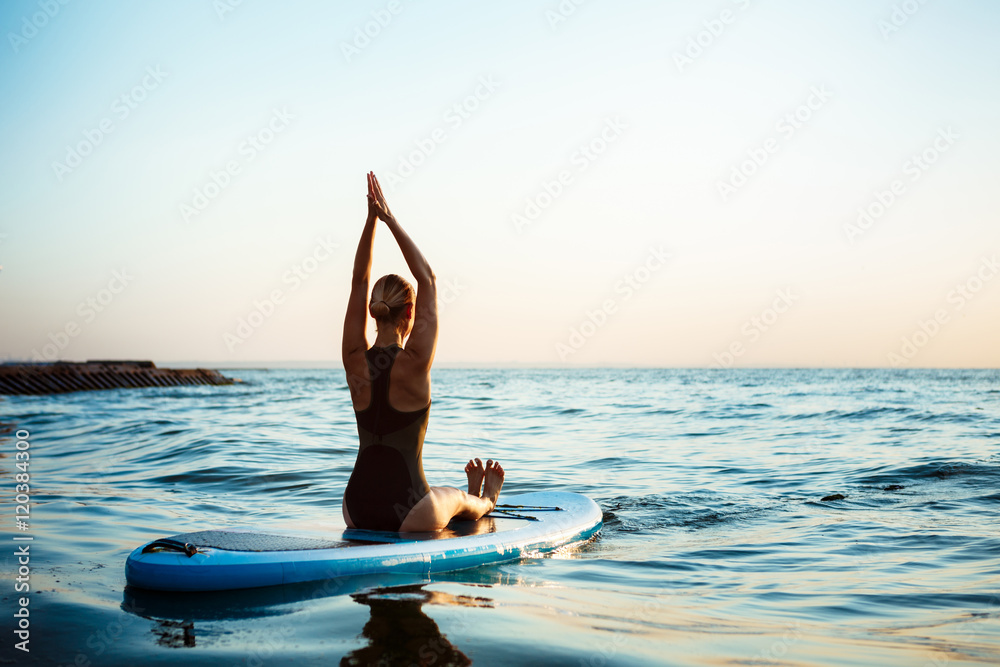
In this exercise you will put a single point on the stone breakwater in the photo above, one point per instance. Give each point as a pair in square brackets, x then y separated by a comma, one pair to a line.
[64, 376]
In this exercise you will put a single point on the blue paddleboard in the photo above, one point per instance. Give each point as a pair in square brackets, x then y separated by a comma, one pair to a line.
[217, 560]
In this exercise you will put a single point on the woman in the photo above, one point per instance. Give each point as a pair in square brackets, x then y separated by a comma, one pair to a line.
[391, 391]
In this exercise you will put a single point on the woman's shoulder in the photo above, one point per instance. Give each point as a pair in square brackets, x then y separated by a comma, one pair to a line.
[410, 383]
[413, 359]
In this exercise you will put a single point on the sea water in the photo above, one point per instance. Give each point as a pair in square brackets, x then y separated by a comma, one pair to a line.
[784, 517]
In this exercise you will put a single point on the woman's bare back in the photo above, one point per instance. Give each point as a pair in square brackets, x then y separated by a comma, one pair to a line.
[409, 384]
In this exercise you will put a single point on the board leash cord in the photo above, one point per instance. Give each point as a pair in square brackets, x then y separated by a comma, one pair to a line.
[533, 508]
[505, 510]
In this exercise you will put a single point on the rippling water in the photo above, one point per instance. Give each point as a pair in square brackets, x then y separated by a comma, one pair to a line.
[718, 546]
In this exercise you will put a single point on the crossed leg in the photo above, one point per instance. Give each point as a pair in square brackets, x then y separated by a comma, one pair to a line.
[443, 503]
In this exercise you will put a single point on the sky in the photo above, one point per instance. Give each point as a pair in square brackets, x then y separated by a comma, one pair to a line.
[742, 183]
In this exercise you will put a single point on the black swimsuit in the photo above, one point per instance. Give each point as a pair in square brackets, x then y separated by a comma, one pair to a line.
[388, 478]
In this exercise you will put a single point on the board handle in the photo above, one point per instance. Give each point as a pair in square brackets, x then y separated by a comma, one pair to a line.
[167, 544]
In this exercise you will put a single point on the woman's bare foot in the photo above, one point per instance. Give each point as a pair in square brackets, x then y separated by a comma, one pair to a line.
[475, 471]
[494, 480]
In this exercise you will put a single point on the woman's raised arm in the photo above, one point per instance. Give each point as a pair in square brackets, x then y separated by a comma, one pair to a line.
[423, 337]
[355, 341]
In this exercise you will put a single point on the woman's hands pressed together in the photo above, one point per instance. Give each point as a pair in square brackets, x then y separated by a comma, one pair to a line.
[377, 207]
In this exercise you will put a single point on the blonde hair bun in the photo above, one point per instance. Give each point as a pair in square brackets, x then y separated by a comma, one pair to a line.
[390, 296]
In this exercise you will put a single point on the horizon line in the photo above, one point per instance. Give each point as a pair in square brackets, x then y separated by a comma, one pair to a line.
[326, 364]
[462, 365]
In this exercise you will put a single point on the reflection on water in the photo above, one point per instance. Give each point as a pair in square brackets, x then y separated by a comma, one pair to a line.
[398, 630]
[174, 634]
[400, 633]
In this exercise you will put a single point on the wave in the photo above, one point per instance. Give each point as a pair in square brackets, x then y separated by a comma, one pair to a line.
[931, 470]
[687, 511]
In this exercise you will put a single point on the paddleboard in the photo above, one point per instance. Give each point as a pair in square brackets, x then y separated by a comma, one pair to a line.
[229, 559]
